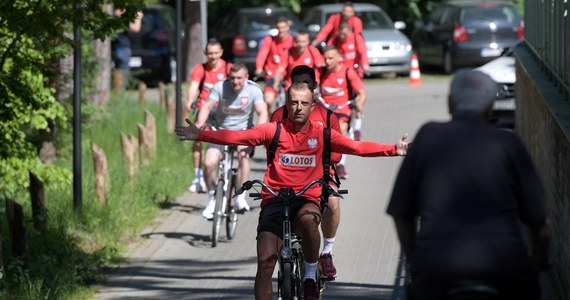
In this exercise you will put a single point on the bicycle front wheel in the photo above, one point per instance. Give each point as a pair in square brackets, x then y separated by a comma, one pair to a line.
[218, 213]
[232, 217]
[286, 288]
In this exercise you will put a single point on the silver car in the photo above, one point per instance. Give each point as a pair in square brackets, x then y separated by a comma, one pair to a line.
[388, 49]
[502, 70]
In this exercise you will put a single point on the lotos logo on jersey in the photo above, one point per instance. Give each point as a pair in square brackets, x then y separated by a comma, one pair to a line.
[294, 160]
[244, 100]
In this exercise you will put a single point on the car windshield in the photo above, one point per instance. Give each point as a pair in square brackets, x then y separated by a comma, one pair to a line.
[263, 22]
[373, 20]
[501, 14]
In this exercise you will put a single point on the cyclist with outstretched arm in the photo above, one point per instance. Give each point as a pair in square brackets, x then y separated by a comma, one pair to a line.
[297, 161]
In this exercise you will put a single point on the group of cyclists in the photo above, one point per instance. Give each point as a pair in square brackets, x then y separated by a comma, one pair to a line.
[314, 123]
[224, 99]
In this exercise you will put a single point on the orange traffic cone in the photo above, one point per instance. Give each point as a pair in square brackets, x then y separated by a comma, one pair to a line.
[414, 71]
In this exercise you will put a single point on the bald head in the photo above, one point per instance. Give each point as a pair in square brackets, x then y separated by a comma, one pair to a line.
[472, 91]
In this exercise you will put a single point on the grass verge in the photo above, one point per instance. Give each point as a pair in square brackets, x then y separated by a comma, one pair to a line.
[65, 261]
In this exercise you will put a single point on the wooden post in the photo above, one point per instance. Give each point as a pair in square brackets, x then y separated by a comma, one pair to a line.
[150, 124]
[170, 115]
[17, 228]
[162, 95]
[101, 173]
[117, 83]
[144, 145]
[130, 146]
[39, 209]
[142, 91]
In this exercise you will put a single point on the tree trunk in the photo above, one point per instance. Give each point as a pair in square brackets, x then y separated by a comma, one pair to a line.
[194, 47]
[102, 92]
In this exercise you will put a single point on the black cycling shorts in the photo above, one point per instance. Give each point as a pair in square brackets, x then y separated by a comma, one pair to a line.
[271, 215]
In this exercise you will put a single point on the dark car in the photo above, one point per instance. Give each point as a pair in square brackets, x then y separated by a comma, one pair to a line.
[388, 49]
[242, 32]
[154, 46]
[467, 33]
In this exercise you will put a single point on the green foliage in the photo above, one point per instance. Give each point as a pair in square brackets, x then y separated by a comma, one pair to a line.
[71, 256]
[34, 35]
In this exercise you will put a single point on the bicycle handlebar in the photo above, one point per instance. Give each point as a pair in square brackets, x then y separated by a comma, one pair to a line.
[333, 107]
[249, 184]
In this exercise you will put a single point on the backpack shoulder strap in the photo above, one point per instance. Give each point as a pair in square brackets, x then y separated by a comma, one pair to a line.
[274, 143]
[201, 85]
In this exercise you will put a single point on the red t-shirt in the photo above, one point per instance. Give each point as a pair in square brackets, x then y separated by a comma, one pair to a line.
[299, 153]
[330, 30]
[334, 87]
[352, 49]
[211, 77]
[311, 57]
[319, 115]
[273, 53]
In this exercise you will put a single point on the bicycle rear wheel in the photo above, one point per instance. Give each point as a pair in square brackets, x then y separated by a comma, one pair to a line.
[218, 213]
[232, 217]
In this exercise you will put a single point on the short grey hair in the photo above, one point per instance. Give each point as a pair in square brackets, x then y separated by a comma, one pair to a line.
[472, 91]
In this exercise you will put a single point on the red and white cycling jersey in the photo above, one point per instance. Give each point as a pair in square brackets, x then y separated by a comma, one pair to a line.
[299, 152]
[335, 88]
[273, 53]
[208, 77]
[311, 57]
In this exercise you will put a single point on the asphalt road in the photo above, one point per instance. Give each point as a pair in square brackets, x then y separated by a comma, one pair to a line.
[174, 258]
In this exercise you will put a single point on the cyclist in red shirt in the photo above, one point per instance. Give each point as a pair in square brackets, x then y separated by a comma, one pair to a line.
[325, 117]
[202, 79]
[273, 53]
[331, 28]
[338, 85]
[300, 138]
[352, 49]
[300, 54]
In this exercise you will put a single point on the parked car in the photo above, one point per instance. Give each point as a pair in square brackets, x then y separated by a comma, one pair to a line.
[242, 32]
[154, 46]
[467, 33]
[388, 49]
[502, 70]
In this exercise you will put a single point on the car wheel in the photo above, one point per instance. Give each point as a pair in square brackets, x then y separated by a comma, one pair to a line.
[448, 65]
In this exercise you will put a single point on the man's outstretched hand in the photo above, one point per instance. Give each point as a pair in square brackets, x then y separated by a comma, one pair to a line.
[402, 145]
[189, 133]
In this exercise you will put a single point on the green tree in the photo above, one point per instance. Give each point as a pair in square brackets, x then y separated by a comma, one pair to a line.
[34, 36]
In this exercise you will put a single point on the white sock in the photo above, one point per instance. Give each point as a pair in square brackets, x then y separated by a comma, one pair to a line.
[343, 160]
[200, 173]
[212, 194]
[310, 270]
[240, 198]
[328, 244]
[356, 124]
[197, 173]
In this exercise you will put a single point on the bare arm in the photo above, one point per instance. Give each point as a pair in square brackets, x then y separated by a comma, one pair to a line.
[193, 93]
[204, 113]
[261, 110]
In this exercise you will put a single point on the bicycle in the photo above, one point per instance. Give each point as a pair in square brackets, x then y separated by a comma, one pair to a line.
[225, 187]
[291, 260]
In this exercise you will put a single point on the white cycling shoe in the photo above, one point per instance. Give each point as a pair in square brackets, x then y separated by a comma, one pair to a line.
[241, 204]
[198, 186]
[208, 212]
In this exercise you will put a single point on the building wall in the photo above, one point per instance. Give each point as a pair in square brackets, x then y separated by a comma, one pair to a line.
[543, 122]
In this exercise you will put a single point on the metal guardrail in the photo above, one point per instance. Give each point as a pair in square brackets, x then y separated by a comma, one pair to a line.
[547, 32]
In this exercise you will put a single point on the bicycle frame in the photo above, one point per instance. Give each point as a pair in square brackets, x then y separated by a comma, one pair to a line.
[224, 189]
[291, 260]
